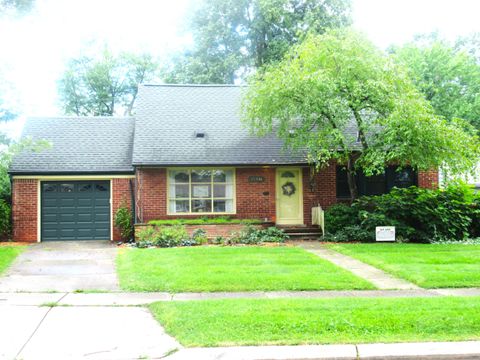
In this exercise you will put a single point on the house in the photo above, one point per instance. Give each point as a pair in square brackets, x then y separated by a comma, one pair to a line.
[184, 154]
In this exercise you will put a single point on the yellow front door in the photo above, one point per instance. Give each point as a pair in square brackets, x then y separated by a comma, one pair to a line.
[289, 196]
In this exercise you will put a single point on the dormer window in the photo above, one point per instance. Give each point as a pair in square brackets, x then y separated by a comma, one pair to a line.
[199, 134]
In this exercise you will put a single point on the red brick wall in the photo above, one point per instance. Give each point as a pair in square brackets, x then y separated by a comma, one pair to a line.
[120, 192]
[322, 190]
[253, 200]
[428, 179]
[24, 210]
[151, 194]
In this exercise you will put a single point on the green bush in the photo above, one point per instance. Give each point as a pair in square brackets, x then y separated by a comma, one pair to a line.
[123, 221]
[5, 217]
[205, 221]
[351, 233]
[419, 215]
[338, 216]
[199, 236]
[252, 236]
[170, 236]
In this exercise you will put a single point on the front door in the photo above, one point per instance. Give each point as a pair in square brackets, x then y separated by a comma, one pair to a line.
[289, 196]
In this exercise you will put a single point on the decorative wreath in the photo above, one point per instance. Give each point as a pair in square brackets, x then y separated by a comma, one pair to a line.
[288, 188]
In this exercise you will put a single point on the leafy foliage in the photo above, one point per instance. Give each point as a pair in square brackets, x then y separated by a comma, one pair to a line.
[448, 75]
[105, 86]
[205, 221]
[176, 235]
[233, 36]
[5, 223]
[339, 216]
[336, 83]
[420, 215]
[252, 236]
[123, 221]
[166, 236]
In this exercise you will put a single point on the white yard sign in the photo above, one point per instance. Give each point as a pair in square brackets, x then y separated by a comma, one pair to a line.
[385, 233]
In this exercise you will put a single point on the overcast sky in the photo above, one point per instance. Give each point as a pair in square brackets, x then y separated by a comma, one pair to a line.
[33, 50]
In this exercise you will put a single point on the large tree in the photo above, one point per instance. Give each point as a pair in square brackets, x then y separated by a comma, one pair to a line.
[233, 36]
[106, 85]
[336, 93]
[447, 74]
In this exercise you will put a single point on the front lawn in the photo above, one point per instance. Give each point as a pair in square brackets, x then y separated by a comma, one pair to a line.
[319, 321]
[429, 266]
[212, 268]
[7, 255]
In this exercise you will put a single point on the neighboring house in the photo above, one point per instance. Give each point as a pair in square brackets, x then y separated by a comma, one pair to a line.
[184, 154]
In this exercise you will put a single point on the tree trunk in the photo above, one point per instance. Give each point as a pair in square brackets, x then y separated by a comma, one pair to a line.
[352, 184]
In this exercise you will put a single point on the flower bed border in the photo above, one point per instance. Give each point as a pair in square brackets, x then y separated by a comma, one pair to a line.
[211, 230]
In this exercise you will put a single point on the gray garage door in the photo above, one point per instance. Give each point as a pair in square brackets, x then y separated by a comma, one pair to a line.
[75, 210]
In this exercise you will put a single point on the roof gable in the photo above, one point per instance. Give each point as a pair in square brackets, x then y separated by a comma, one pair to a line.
[169, 116]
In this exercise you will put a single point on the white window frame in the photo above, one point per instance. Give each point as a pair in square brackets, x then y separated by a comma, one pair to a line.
[212, 198]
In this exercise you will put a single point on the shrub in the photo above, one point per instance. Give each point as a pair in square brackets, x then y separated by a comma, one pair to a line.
[146, 234]
[123, 221]
[351, 233]
[170, 236]
[205, 221]
[338, 216]
[250, 235]
[5, 223]
[420, 215]
[199, 236]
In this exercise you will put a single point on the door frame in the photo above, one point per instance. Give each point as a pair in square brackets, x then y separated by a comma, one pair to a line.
[300, 219]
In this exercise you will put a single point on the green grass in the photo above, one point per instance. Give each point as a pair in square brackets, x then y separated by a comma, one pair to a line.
[7, 255]
[205, 221]
[249, 268]
[429, 266]
[319, 321]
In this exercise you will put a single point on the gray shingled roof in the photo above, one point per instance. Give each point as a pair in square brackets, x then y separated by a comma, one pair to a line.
[78, 145]
[169, 115]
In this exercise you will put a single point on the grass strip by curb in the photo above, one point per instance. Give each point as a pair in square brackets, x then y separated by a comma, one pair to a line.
[319, 321]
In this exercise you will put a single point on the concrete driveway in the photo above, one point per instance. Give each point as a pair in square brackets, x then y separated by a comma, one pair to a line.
[63, 266]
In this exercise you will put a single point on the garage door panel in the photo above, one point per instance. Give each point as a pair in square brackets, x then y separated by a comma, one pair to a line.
[102, 217]
[82, 218]
[85, 202]
[67, 202]
[77, 210]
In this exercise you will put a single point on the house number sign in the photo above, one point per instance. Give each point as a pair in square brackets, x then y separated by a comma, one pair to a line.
[256, 179]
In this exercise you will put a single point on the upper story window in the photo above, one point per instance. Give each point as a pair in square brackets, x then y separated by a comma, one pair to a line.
[201, 191]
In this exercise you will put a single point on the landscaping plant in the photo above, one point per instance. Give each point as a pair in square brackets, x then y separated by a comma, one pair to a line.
[123, 221]
[419, 215]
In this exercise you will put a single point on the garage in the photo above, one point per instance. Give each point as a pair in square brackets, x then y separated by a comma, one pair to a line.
[75, 210]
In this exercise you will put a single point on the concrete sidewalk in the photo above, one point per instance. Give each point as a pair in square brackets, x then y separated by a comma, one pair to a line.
[136, 299]
[30, 332]
[106, 326]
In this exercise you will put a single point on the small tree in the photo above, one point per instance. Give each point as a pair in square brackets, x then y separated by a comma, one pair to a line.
[123, 221]
[337, 97]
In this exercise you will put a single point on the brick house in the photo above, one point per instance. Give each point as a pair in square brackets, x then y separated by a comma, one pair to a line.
[184, 154]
